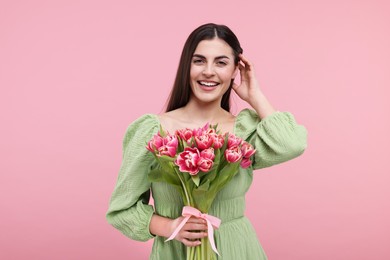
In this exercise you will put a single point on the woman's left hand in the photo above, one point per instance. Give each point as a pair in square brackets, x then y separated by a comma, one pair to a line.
[248, 89]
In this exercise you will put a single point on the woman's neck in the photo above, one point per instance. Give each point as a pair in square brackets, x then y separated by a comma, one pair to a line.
[204, 112]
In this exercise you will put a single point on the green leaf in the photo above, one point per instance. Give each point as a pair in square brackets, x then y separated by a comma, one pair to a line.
[167, 158]
[196, 180]
[225, 143]
[211, 175]
[217, 159]
[164, 172]
[169, 178]
[155, 175]
[162, 132]
[204, 187]
[181, 145]
[215, 127]
[225, 175]
[203, 198]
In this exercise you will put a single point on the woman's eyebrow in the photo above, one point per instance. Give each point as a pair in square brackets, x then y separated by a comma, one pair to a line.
[216, 58]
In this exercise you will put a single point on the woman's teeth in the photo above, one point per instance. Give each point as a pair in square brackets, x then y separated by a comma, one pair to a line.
[208, 84]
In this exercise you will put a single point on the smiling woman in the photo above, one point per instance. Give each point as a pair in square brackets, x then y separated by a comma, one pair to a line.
[211, 58]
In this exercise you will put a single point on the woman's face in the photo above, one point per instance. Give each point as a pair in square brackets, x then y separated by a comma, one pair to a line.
[212, 69]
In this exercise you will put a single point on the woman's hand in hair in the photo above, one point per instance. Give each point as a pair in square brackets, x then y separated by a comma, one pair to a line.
[249, 89]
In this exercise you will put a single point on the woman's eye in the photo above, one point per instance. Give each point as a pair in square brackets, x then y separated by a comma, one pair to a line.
[197, 61]
[221, 63]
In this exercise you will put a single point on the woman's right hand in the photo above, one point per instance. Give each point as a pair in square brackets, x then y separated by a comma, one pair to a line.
[192, 231]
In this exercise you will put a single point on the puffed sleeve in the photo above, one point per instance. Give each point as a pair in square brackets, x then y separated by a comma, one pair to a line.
[128, 210]
[277, 138]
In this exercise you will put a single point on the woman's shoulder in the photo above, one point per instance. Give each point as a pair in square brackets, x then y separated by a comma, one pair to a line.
[145, 124]
[250, 116]
[248, 121]
[145, 119]
[247, 113]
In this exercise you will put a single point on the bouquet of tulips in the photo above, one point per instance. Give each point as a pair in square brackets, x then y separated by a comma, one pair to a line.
[199, 163]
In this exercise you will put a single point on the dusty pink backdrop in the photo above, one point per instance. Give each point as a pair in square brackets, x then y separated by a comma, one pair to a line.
[74, 74]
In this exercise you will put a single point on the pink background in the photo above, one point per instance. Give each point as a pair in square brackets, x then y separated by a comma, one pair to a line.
[74, 74]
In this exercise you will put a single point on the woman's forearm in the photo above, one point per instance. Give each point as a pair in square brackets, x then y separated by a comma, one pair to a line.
[160, 226]
[261, 105]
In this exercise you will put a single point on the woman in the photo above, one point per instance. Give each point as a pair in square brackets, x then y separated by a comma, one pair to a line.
[211, 58]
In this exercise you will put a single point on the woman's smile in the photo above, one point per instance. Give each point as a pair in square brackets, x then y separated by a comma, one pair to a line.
[208, 83]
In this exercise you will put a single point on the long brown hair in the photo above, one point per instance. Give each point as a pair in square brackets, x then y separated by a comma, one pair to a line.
[181, 91]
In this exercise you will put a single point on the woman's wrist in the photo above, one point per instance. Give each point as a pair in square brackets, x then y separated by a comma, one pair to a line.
[161, 226]
[261, 105]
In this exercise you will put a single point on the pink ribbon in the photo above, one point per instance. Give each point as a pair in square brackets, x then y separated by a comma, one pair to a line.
[211, 222]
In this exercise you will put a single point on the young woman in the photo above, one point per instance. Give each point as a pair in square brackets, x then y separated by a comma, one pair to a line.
[211, 58]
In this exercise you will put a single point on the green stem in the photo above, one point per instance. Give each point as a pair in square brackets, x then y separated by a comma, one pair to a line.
[198, 252]
[202, 248]
[192, 253]
[185, 189]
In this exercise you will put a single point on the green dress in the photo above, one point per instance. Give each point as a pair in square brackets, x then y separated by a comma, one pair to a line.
[276, 138]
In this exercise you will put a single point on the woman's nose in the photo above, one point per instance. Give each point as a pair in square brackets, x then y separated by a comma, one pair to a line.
[208, 70]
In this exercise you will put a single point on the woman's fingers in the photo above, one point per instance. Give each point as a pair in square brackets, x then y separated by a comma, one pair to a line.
[191, 233]
[190, 243]
[195, 226]
[241, 67]
[194, 235]
[189, 238]
[248, 65]
[245, 60]
[192, 238]
[196, 220]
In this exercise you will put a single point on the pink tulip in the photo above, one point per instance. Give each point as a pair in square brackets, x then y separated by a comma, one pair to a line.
[219, 140]
[185, 134]
[245, 163]
[169, 146]
[210, 131]
[156, 142]
[247, 150]
[167, 150]
[150, 147]
[188, 160]
[233, 154]
[202, 130]
[208, 154]
[171, 140]
[205, 128]
[163, 146]
[197, 132]
[233, 141]
[204, 141]
[205, 164]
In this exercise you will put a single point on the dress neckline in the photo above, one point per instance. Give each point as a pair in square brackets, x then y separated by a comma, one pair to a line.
[157, 118]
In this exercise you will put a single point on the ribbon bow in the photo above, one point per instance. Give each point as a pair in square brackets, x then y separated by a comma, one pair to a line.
[211, 222]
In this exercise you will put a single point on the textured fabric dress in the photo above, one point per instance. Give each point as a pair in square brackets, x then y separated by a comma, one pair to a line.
[276, 138]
